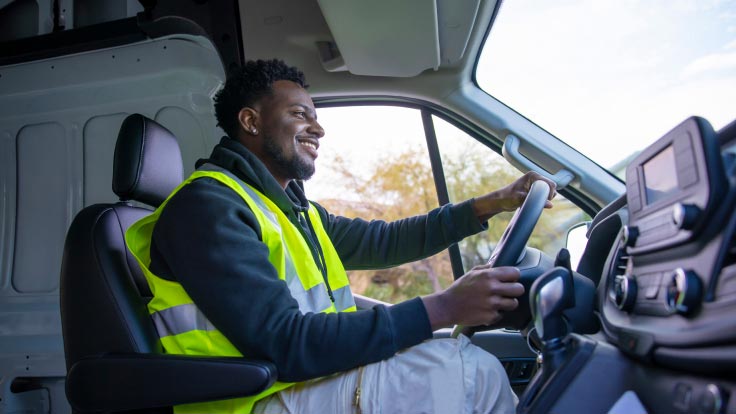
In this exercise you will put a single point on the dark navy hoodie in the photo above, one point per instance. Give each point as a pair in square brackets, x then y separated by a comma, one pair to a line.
[208, 239]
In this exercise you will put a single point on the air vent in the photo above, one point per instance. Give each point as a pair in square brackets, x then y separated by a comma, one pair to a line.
[618, 270]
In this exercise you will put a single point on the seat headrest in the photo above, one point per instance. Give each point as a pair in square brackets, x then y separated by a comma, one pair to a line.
[147, 164]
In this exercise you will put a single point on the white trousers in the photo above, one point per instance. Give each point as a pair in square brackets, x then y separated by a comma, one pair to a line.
[443, 376]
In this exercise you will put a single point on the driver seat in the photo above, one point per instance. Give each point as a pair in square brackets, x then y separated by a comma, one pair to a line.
[114, 359]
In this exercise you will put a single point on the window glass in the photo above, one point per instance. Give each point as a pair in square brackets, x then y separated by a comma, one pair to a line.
[472, 169]
[609, 77]
[373, 163]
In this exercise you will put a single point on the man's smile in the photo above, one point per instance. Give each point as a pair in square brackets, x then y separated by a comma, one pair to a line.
[310, 143]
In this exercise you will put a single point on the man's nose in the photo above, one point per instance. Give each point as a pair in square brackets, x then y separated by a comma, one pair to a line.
[316, 129]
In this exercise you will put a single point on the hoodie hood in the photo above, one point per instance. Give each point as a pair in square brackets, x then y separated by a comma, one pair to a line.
[235, 157]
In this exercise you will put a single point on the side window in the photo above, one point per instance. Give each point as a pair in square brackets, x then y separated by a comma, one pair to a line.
[472, 169]
[374, 164]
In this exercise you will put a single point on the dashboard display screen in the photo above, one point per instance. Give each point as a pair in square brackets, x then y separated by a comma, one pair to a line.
[660, 175]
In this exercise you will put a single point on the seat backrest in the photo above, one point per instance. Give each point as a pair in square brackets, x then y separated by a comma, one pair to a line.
[103, 292]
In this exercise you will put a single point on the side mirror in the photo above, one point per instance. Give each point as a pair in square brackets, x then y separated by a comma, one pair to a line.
[576, 241]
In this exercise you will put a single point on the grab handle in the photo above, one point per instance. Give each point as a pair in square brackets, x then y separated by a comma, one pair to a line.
[510, 150]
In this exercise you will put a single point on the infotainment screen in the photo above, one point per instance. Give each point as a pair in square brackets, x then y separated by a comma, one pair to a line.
[660, 175]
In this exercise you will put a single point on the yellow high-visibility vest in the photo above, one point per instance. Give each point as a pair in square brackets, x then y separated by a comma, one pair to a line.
[183, 329]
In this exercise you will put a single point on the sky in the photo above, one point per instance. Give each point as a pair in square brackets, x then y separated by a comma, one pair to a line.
[611, 76]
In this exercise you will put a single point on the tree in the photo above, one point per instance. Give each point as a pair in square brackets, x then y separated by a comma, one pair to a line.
[469, 174]
[402, 186]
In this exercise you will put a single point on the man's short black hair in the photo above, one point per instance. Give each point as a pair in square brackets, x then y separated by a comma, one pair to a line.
[246, 85]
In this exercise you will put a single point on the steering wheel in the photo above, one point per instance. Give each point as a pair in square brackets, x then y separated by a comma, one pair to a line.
[507, 253]
[517, 233]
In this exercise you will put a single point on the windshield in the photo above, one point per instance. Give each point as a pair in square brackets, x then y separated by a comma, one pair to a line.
[609, 77]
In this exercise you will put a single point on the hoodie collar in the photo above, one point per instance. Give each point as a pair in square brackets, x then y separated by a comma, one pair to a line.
[233, 156]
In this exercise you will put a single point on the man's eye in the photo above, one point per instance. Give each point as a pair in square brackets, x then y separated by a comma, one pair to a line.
[300, 114]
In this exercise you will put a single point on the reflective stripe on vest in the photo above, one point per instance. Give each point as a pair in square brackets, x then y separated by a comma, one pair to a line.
[314, 299]
[184, 329]
[180, 319]
[344, 299]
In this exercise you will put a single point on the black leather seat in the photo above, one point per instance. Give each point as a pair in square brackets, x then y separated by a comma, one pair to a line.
[114, 358]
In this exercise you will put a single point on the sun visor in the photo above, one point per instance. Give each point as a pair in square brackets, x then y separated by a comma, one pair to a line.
[396, 38]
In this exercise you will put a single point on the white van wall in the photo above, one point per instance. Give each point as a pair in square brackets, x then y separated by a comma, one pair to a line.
[59, 120]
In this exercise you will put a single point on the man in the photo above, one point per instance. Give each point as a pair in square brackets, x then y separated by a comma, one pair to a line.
[242, 264]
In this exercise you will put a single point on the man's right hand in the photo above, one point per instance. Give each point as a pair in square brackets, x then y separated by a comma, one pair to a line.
[477, 298]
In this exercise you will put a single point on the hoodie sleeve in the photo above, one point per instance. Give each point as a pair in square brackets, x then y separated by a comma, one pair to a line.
[209, 240]
[375, 244]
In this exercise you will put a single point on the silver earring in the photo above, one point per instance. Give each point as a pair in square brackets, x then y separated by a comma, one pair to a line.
[254, 131]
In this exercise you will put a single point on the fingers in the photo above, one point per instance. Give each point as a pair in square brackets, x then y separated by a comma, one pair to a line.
[508, 290]
[505, 273]
[506, 304]
[495, 306]
[499, 281]
[533, 176]
[479, 297]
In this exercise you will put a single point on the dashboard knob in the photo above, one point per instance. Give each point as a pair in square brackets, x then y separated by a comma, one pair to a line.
[685, 216]
[712, 400]
[631, 233]
[684, 291]
[624, 292]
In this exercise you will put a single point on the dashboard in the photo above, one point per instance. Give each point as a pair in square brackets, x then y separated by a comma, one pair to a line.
[664, 260]
[668, 283]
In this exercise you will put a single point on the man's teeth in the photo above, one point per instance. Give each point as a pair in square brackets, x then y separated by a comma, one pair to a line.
[309, 144]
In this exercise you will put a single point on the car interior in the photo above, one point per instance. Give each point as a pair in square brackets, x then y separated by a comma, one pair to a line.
[106, 105]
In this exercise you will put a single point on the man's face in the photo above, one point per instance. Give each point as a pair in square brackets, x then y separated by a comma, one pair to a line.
[289, 131]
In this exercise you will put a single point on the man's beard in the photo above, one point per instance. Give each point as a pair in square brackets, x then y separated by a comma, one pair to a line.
[295, 167]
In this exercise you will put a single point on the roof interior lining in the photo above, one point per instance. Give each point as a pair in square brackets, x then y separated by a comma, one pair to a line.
[397, 39]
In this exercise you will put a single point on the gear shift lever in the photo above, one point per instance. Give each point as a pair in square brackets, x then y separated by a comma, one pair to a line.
[561, 354]
[550, 295]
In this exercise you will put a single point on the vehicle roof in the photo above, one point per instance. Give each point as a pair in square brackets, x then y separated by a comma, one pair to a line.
[396, 50]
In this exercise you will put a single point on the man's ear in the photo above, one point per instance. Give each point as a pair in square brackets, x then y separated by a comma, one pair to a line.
[248, 120]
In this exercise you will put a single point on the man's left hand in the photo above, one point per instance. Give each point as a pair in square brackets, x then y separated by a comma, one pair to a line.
[510, 197]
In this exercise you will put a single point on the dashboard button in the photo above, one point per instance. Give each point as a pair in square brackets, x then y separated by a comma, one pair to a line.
[651, 291]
